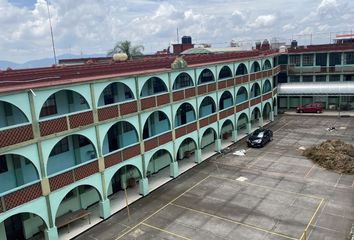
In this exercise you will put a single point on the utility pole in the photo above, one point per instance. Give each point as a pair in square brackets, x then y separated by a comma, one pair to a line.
[51, 33]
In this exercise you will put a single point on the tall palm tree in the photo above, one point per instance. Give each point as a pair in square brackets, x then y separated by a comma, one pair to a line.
[127, 48]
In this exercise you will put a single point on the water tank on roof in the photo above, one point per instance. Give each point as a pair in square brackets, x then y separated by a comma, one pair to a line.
[186, 40]
[118, 57]
[258, 45]
[293, 44]
[283, 49]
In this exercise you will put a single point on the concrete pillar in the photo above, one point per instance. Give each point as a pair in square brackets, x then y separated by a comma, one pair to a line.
[271, 116]
[174, 172]
[234, 135]
[198, 155]
[217, 145]
[51, 234]
[249, 127]
[260, 121]
[144, 186]
[105, 209]
[2, 231]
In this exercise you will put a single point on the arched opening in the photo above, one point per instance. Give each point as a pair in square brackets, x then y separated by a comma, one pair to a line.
[120, 135]
[225, 72]
[186, 155]
[255, 90]
[153, 86]
[242, 125]
[127, 177]
[183, 80]
[158, 169]
[226, 133]
[267, 65]
[11, 115]
[207, 107]
[208, 143]
[255, 67]
[185, 114]
[267, 87]
[79, 202]
[23, 226]
[63, 102]
[255, 118]
[275, 106]
[241, 70]
[115, 93]
[226, 100]
[242, 95]
[206, 76]
[69, 152]
[156, 123]
[16, 171]
[266, 112]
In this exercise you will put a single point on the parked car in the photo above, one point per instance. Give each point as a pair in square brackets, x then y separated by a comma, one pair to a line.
[310, 108]
[260, 137]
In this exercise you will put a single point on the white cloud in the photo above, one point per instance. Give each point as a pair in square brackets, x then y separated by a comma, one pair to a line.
[93, 26]
[263, 21]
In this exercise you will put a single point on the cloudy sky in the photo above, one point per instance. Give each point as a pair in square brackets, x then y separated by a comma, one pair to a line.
[93, 26]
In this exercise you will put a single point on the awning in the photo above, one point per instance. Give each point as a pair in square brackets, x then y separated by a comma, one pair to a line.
[316, 88]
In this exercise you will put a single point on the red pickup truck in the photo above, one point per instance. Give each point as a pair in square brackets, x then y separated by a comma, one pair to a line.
[315, 107]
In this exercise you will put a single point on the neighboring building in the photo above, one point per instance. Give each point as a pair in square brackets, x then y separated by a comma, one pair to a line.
[74, 136]
[317, 73]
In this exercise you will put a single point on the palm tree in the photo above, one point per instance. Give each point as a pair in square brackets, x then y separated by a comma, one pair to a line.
[127, 48]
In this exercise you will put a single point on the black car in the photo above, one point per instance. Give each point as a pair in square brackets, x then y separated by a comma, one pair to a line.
[260, 137]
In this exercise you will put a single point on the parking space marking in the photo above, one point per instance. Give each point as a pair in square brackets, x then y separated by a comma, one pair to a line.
[308, 172]
[163, 207]
[313, 217]
[165, 231]
[235, 222]
[271, 188]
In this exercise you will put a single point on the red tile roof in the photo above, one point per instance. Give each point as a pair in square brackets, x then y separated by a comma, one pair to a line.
[13, 80]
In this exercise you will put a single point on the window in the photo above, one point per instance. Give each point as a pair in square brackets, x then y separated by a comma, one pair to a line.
[348, 77]
[158, 85]
[108, 95]
[321, 59]
[307, 78]
[83, 141]
[49, 107]
[349, 58]
[307, 60]
[295, 60]
[183, 80]
[334, 78]
[320, 78]
[162, 116]
[60, 147]
[294, 78]
[3, 164]
[335, 59]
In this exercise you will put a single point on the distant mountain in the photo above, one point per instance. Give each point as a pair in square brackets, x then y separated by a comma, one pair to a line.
[44, 62]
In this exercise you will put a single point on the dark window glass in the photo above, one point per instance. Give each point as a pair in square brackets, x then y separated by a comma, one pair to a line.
[3, 164]
[60, 147]
[49, 107]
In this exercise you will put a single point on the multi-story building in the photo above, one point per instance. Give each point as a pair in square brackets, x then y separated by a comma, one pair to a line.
[73, 137]
[317, 73]
[77, 136]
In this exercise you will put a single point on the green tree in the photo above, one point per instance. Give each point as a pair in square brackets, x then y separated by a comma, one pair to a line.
[127, 48]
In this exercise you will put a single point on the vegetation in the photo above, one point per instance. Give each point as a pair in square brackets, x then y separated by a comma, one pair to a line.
[127, 48]
[333, 155]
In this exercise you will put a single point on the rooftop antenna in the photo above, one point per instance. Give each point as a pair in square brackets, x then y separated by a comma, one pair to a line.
[177, 36]
[51, 33]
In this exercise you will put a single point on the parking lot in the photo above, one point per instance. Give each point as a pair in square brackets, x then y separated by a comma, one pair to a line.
[270, 193]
